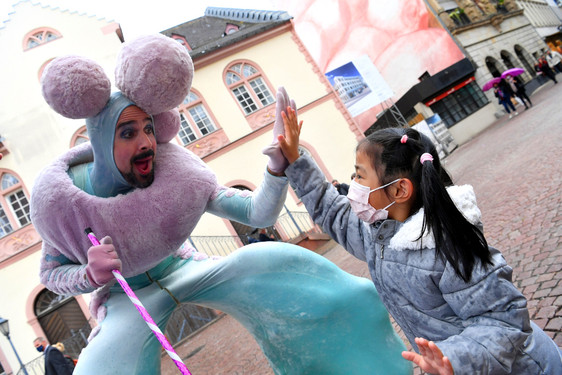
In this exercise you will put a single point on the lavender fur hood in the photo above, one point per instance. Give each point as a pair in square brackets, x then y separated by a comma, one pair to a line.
[170, 208]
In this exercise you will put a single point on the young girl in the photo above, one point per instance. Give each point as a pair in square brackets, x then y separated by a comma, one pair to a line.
[422, 239]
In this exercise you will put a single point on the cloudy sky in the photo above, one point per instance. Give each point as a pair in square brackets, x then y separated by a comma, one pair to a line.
[150, 17]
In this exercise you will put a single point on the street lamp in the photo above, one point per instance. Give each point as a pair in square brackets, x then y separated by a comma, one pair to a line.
[5, 329]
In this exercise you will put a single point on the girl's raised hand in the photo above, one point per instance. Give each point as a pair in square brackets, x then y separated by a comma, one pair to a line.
[430, 359]
[290, 141]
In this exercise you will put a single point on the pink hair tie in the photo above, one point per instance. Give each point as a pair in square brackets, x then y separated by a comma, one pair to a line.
[404, 138]
[426, 157]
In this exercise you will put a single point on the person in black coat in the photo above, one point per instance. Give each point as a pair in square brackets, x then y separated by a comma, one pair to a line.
[341, 188]
[519, 87]
[55, 362]
[543, 67]
[503, 92]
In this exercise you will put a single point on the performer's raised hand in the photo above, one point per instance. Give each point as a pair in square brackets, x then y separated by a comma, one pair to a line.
[277, 161]
[102, 259]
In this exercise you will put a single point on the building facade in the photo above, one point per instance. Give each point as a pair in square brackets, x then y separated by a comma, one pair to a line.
[495, 36]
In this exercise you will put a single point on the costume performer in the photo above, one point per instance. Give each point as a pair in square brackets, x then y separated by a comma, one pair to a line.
[307, 315]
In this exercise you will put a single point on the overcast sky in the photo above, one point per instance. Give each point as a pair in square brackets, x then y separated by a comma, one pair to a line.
[151, 17]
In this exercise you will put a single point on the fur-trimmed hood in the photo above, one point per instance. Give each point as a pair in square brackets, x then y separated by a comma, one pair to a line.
[406, 238]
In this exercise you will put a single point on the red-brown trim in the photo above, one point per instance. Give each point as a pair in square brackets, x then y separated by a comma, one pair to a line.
[450, 91]
[35, 31]
[42, 68]
[353, 125]
[78, 134]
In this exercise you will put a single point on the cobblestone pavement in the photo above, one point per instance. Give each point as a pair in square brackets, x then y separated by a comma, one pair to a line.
[514, 166]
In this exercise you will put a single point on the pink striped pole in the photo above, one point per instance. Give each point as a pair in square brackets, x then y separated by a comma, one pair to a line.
[145, 315]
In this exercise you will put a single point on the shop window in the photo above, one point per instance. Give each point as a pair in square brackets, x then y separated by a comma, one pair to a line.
[460, 104]
[38, 37]
[14, 204]
[195, 119]
[248, 86]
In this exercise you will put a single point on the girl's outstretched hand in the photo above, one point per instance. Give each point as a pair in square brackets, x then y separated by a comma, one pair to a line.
[430, 359]
[290, 141]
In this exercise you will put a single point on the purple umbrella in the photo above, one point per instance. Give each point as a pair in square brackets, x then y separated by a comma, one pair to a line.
[513, 72]
[488, 85]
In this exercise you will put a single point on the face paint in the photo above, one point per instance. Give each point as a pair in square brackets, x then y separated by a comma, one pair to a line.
[135, 147]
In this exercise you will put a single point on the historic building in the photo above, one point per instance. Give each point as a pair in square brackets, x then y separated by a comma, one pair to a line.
[498, 35]
[494, 36]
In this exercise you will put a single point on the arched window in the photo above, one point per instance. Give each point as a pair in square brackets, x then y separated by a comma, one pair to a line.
[62, 320]
[525, 59]
[195, 121]
[39, 36]
[507, 58]
[230, 28]
[494, 66]
[181, 40]
[248, 86]
[14, 205]
[80, 136]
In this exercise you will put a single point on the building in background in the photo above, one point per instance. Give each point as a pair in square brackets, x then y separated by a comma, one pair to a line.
[455, 46]
[32, 136]
[241, 57]
[495, 36]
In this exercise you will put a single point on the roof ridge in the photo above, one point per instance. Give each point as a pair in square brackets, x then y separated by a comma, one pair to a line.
[57, 8]
[247, 15]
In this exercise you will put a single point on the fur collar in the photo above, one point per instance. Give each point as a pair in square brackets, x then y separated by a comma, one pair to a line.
[146, 225]
[406, 237]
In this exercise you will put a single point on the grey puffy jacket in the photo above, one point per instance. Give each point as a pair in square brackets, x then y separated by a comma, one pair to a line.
[483, 326]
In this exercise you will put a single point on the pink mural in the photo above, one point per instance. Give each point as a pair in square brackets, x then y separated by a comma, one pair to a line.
[402, 38]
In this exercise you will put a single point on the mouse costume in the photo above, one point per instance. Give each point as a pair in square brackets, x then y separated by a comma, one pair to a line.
[307, 315]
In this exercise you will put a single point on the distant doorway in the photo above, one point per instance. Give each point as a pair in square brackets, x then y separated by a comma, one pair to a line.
[525, 59]
[494, 66]
[62, 320]
[508, 59]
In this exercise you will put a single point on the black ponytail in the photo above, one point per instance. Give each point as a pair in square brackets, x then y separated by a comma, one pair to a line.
[457, 241]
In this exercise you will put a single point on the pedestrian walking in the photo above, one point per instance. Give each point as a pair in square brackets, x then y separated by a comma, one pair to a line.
[519, 88]
[543, 68]
[55, 361]
[504, 94]
[554, 60]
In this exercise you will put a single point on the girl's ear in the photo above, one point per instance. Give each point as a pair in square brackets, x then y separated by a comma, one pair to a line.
[404, 190]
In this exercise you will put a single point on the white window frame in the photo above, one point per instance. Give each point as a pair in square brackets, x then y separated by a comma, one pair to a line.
[248, 86]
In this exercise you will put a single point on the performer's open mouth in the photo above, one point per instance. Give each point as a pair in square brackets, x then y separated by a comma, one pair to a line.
[144, 165]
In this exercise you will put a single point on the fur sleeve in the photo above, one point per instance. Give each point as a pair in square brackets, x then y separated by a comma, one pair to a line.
[60, 275]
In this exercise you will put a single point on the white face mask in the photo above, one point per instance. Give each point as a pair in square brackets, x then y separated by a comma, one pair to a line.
[358, 196]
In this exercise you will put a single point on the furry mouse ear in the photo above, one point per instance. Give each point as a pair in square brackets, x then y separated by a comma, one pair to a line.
[155, 72]
[75, 87]
[167, 125]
